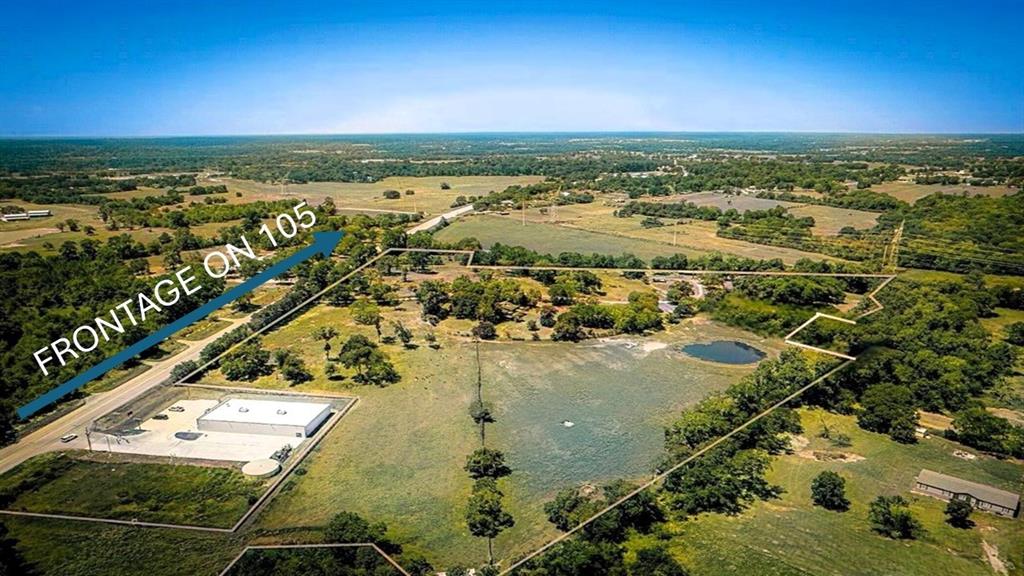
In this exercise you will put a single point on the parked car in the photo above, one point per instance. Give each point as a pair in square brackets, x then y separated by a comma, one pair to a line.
[176, 409]
[161, 417]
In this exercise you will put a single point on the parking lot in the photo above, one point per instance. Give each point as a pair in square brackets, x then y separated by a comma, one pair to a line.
[161, 437]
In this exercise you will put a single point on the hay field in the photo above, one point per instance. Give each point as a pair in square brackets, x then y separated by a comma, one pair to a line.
[428, 197]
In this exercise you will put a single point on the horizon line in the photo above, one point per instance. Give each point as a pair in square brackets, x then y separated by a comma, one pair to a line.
[492, 132]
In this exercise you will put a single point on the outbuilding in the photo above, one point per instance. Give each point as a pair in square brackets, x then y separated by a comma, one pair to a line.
[270, 417]
[981, 496]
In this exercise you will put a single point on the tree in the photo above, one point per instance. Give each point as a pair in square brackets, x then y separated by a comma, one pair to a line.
[348, 527]
[248, 362]
[1015, 333]
[978, 428]
[8, 418]
[828, 490]
[889, 409]
[655, 561]
[372, 366]
[11, 561]
[403, 334]
[326, 333]
[561, 293]
[485, 516]
[487, 463]
[891, 516]
[293, 369]
[367, 313]
[433, 297]
[958, 513]
[485, 331]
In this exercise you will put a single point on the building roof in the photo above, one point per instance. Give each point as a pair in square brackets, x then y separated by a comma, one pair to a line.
[265, 412]
[983, 492]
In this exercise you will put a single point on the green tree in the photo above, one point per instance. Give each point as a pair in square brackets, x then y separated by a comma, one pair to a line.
[889, 409]
[958, 513]
[655, 561]
[891, 516]
[326, 333]
[828, 490]
[487, 463]
[1015, 333]
[8, 419]
[367, 313]
[485, 331]
[248, 362]
[485, 516]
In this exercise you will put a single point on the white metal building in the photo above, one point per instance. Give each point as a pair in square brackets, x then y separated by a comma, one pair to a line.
[271, 417]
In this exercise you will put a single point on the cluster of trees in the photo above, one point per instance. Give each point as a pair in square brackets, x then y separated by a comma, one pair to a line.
[43, 298]
[925, 350]
[491, 300]
[581, 320]
[961, 233]
[732, 475]
[598, 548]
[783, 173]
[797, 290]
[517, 194]
[854, 199]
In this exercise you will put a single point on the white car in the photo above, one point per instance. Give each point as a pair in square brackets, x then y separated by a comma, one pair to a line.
[68, 438]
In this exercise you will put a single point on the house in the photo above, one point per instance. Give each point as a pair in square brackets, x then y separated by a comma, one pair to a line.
[981, 496]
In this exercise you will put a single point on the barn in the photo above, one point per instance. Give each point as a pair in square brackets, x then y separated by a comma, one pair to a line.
[270, 417]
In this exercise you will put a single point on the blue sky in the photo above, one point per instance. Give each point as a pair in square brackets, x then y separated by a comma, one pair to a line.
[188, 68]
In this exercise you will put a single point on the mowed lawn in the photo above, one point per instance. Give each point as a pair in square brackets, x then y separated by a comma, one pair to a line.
[428, 196]
[791, 536]
[397, 456]
[60, 483]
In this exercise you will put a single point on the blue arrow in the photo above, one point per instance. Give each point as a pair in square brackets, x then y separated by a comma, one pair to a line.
[323, 243]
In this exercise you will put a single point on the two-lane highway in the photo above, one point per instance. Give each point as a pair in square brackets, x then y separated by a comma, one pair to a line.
[47, 438]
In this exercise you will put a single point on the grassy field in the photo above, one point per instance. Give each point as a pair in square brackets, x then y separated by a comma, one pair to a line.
[87, 549]
[65, 484]
[910, 192]
[202, 329]
[1003, 318]
[418, 486]
[828, 220]
[427, 198]
[596, 225]
[791, 536]
[33, 234]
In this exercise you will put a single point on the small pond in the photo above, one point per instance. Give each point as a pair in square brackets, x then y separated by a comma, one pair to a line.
[725, 352]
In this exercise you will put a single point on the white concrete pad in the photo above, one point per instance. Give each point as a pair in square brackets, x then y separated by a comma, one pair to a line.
[158, 438]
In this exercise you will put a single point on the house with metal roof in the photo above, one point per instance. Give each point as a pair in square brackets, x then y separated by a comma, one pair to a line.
[981, 496]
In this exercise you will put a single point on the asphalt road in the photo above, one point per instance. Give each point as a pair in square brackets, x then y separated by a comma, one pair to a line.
[47, 438]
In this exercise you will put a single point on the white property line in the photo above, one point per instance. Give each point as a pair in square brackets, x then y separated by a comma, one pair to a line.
[847, 360]
[665, 474]
[275, 488]
[307, 546]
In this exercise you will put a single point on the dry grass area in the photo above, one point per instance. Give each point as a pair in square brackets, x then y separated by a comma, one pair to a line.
[36, 233]
[910, 192]
[428, 197]
[828, 220]
[594, 228]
